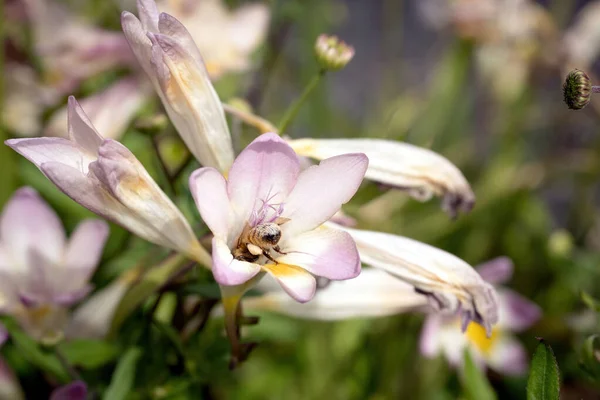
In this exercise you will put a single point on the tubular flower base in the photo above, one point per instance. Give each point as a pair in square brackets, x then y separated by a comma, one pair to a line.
[267, 217]
[421, 172]
[106, 178]
[41, 273]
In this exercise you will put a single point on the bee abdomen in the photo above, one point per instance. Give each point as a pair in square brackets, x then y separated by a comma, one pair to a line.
[265, 235]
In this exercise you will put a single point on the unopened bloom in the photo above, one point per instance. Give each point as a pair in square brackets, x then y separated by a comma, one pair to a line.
[373, 293]
[110, 111]
[501, 350]
[268, 215]
[105, 177]
[421, 172]
[42, 273]
[226, 38]
[577, 89]
[171, 59]
[332, 53]
[451, 284]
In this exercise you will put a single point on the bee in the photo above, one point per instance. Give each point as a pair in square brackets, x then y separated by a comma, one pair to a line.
[259, 240]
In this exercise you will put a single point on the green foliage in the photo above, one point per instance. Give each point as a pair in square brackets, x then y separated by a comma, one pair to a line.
[123, 378]
[544, 376]
[590, 357]
[474, 382]
[88, 353]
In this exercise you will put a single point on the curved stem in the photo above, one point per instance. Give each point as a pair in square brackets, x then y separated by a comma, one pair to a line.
[293, 110]
[259, 123]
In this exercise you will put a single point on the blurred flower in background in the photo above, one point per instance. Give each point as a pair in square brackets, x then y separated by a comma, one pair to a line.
[501, 350]
[226, 38]
[42, 274]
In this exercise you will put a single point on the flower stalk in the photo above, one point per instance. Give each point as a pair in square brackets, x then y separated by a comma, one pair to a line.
[293, 110]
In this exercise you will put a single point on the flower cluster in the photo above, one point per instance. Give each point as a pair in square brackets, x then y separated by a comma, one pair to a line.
[271, 215]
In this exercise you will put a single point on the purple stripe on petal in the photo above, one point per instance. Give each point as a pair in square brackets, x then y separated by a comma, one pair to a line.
[516, 312]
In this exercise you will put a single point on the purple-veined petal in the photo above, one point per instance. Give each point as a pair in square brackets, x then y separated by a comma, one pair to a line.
[228, 271]
[266, 170]
[81, 130]
[496, 271]
[83, 254]
[44, 150]
[421, 172]
[508, 356]
[321, 190]
[171, 27]
[371, 294]
[209, 189]
[297, 282]
[76, 390]
[324, 251]
[516, 312]
[29, 225]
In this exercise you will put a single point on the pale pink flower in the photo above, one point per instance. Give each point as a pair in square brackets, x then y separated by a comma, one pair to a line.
[76, 390]
[265, 185]
[171, 59]
[105, 177]
[501, 351]
[41, 273]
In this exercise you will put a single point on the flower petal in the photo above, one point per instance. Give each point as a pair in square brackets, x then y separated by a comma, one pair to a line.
[83, 254]
[209, 189]
[148, 12]
[267, 169]
[9, 384]
[451, 283]
[508, 356]
[111, 110]
[139, 42]
[76, 390]
[516, 312]
[321, 190]
[189, 97]
[420, 171]
[496, 271]
[28, 225]
[324, 251]
[371, 294]
[429, 344]
[44, 150]
[298, 283]
[81, 130]
[228, 271]
[129, 182]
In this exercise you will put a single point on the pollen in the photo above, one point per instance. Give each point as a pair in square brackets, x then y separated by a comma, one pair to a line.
[475, 333]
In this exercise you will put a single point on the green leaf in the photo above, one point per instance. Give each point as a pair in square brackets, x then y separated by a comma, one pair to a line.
[31, 351]
[124, 376]
[142, 289]
[475, 383]
[591, 302]
[89, 354]
[590, 357]
[544, 378]
[8, 166]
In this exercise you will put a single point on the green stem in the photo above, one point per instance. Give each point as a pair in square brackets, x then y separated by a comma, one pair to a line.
[66, 364]
[293, 110]
[163, 166]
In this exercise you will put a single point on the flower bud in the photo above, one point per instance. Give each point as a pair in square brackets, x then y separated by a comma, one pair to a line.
[332, 53]
[577, 89]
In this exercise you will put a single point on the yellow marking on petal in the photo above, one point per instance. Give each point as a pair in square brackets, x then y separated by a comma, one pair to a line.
[284, 270]
[214, 69]
[475, 333]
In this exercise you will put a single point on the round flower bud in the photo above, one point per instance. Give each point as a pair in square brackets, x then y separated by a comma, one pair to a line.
[332, 53]
[577, 89]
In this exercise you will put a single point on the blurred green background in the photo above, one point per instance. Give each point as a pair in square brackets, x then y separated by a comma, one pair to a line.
[533, 165]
